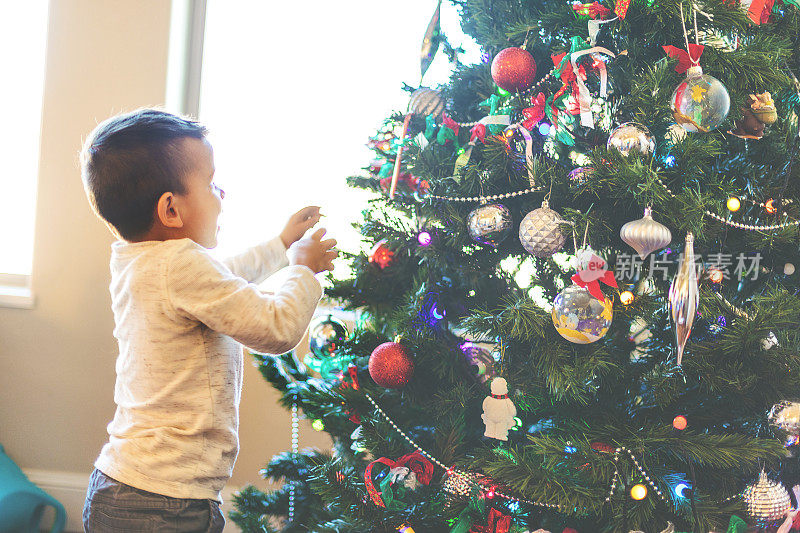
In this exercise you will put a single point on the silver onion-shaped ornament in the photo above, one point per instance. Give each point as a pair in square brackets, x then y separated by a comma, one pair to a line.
[539, 231]
[425, 101]
[489, 224]
[786, 415]
[684, 296]
[631, 137]
[767, 501]
[645, 235]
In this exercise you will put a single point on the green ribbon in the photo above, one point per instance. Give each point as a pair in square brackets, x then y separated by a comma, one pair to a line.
[736, 525]
[386, 170]
[430, 127]
[464, 520]
[493, 103]
[446, 134]
[327, 366]
[576, 44]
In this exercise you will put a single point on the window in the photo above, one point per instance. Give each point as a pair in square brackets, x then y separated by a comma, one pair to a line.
[23, 42]
[291, 91]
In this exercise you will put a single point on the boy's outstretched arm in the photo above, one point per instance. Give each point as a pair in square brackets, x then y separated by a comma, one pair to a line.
[259, 262]
[202, 288]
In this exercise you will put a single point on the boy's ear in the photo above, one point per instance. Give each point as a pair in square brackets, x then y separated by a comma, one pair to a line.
[167, 211]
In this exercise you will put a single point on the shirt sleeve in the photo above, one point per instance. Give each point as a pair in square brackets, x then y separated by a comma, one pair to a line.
[200, 287]
[259, 262]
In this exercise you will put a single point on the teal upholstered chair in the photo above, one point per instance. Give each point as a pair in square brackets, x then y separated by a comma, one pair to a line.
[22, 503]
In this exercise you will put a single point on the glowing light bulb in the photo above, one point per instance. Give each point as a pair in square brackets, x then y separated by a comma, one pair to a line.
[318, 424]
[715, 275]
[669, 161]
[734, 204]
[544, 128]
[638, 492]
[626, 297]
[424, 238]
[681, 490]
[405, 528]
[680, 422]
[769, 206]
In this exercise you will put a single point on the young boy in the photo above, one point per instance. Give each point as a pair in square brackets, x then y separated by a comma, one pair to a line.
[180, 317]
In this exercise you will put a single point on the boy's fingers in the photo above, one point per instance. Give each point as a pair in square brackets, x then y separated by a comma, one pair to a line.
[317, 235]
[332, 254]
[328, 243]
[307, 212]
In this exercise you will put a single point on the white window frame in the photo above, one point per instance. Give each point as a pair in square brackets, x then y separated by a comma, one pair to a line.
[15, 291]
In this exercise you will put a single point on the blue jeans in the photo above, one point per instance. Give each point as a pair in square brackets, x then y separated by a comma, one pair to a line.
[115, 507]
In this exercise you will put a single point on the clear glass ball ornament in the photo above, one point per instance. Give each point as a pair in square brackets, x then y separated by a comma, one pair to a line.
[700, 102]
[631, 137]
[579, 317]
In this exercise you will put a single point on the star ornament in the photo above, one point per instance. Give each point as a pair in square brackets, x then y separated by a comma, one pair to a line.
[698, 92]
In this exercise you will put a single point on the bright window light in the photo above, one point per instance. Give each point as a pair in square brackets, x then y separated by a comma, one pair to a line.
[23, 39]
[291, 91]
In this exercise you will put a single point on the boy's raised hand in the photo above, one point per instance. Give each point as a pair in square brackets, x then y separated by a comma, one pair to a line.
[313, 252]
[298, 224]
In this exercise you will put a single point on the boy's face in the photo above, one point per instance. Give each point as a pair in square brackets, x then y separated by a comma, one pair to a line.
[202, 203]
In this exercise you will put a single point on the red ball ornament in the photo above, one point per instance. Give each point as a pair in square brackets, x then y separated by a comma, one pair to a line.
[390, 365]
[513, 69]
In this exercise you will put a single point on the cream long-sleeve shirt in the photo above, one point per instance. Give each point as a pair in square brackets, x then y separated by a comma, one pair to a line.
[180, 318]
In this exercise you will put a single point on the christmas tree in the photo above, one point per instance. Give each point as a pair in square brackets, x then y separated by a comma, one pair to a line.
[577, 301]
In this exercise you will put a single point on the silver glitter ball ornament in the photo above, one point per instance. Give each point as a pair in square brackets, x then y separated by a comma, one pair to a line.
[326, 335]
[786, 415]
[645, 235]
[631, 137]
[426, 101]
[539, 232]
[767, 501]
[489, 224]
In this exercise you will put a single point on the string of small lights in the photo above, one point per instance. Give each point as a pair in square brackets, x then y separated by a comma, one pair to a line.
[725, 220]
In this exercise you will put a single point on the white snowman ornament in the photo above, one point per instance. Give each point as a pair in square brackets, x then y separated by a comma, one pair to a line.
[498, 411]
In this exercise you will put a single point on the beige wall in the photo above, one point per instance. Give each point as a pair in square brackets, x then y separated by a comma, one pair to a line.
[57, 360]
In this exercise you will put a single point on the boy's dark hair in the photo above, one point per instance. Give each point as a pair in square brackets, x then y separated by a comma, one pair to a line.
[130, 160]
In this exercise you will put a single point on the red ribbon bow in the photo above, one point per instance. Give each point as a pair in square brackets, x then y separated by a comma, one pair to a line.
[450, 123]
[478, 131]
[759, 10]
[686, 59]
[594, 286]
[593, 10]
[533, 115]
[621, 8]
[416, 462]
[496, 522]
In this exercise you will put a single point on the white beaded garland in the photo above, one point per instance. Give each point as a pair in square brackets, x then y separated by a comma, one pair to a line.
[465, 477]
[295, 449]
[748, 227]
